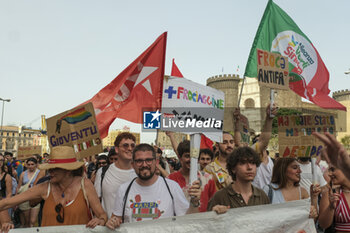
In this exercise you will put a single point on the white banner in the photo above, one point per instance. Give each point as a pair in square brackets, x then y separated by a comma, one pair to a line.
[290, 217]
[201, 108]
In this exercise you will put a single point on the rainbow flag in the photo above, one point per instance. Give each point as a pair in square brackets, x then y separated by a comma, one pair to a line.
[77, 116]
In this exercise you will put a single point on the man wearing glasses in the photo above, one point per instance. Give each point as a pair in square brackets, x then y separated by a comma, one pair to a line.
[150, 196]
[117, 173]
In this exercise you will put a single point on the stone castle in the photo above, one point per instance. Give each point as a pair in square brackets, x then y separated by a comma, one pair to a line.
[254, 100]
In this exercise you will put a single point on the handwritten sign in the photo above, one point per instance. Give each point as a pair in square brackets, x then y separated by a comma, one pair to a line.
[77, 128]
[272, 70]
[25, 152]
[295, 134]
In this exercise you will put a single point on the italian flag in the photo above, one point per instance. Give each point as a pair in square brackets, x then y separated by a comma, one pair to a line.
[278, 33]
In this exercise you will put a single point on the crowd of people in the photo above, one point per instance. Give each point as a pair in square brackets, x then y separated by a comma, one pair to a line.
[131, 182]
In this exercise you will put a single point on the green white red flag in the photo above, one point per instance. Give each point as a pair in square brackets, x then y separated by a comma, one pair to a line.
[278, 33]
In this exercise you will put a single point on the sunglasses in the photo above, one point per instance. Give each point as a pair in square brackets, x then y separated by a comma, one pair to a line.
[127, 145]
[58, 209]
[113, 159]
[102, 163]
[139, 162]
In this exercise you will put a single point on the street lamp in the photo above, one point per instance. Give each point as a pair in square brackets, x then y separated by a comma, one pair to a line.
[2, 118]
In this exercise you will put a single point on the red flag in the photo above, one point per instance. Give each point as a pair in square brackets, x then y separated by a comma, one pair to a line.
[137, 88]
[206, 142]
[175, 71]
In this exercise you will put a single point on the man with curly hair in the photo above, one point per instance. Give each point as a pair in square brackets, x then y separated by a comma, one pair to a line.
[241, 165]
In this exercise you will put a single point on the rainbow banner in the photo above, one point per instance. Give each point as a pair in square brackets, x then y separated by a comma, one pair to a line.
[77, 116]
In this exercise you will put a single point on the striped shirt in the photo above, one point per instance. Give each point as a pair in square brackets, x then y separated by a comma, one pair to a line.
[342, 214]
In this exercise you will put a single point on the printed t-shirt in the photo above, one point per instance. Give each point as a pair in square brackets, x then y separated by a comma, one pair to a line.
[150, 202]
[114, 177]
[219, 174]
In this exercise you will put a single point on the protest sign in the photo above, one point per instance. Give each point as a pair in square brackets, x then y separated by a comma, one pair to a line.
[77, 128]
[244, 128]
[272, 70]
[288, 217]
[25, 152]
[189, 107]
[295, 134]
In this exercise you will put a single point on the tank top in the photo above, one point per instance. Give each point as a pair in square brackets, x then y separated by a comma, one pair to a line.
[342, 214]
[26, 178]
[75, 213]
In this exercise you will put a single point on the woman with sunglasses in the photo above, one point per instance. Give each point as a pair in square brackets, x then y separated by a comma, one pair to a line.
[334, 204]
[68, 196]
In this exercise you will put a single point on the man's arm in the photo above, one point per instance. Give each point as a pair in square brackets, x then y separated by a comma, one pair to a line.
[236, 121]
[265, 136]
[173, 141]
[335, 153]
[195, 193]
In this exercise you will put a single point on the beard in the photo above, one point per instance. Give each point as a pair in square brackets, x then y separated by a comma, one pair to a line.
[145, 177]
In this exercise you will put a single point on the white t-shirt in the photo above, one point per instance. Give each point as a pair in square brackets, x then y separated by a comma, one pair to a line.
[306, 176]
[114, 177]
[263, 174]
[150, 202]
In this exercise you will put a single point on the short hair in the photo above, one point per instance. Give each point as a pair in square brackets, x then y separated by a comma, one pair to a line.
[111, 152]
[124, 135]
[243, 155]
[144, 147]
[279, 172]
[183, 147]
[207, 152]
[8, 153]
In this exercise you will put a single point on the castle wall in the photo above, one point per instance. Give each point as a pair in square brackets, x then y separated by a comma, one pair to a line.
[229, 85]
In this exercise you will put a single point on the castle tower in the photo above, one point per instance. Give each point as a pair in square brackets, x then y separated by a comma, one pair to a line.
[228, 83]
[343, 119]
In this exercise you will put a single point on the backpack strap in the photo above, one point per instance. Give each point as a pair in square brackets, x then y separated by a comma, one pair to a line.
[103, 173]
[126, 197]
[270, 193]
[171, 195]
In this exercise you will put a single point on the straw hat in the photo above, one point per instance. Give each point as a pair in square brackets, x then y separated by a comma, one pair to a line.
[62, 157]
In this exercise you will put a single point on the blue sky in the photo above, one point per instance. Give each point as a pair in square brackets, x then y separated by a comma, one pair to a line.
[57, 54]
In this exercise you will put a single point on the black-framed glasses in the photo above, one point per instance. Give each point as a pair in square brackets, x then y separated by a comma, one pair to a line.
[127, 145]
[59, 217]
[148, 161]
[113, 159]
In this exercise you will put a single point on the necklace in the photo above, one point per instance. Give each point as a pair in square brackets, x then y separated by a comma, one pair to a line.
[62, 195]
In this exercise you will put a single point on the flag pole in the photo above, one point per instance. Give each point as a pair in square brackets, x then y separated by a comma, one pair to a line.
[240, 95]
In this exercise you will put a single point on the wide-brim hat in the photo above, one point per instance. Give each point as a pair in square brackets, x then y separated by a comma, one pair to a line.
[62, 157]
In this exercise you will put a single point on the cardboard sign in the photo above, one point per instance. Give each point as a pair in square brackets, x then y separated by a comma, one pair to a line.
[25, 152]
[244, 129]
[77, 128]
[272, 70]
[189, 107]
[295, 134]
